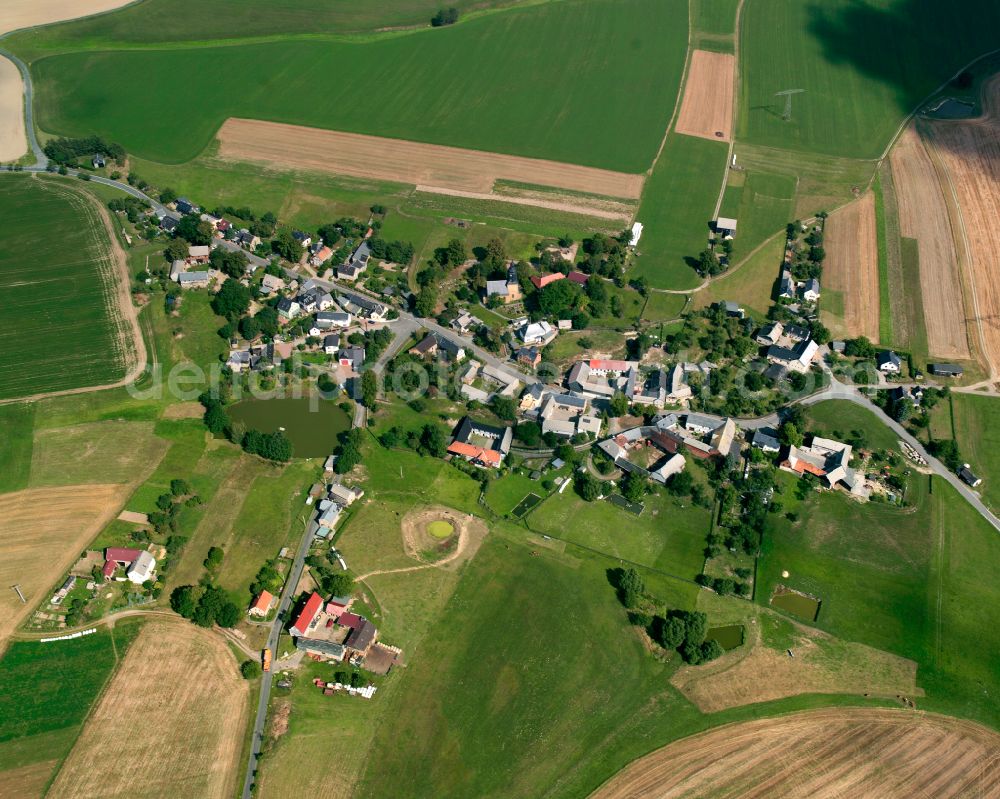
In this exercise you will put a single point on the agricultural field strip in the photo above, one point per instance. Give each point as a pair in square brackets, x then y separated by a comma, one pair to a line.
[707, 107]
[852, 265]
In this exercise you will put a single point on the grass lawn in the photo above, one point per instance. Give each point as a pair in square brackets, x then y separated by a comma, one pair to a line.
[916, 341]
[766, 206]
[858, 82]
[977, 429]
[663, 307]
[61, 326]
[676, 208]
[556, 57]
[838, 418]
[751, 283]
[194, 328]
[669, 535]
[570, 345]
[46, 691]
[17, 435]
[503, 495]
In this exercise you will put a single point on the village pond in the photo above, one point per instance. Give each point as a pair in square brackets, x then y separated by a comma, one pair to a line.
[312, 425]
[729, 637]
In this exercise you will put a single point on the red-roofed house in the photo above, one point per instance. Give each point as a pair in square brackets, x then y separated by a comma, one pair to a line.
[338, 605]
[109, 569]
[307, 614]
[352, 620]
[484, 457]
[121, 555]
[541, 281]
[605, 367]
[262, 604]
[578, 277]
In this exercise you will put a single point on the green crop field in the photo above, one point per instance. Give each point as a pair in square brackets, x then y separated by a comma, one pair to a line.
[17, 435]
[766, 206]
[863, 66]
[59, 328]
[163, 21]
[977, 430]
[677, 205]
[46, 691]
[541, 82]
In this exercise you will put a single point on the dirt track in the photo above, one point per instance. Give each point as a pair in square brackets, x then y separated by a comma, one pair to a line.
[428, 165]
[970, 154]
[851, 266]
[923, 215]
[707, 106]
[42, 533]
[171, 722]
[822, 754]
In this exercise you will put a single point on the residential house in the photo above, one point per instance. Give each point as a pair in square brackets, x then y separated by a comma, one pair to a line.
[320, 256]
[349, 272]
[969, 477]
[304, 239]
[540, 333]
[307, 615]
[810, 290]
[270, 284]
[185, 206]
[288, 309]
[888, 362]
[567, 415]
[463, 322]
[198, 253]
[345, 496]
[829, 460]
[766, 439]
[797, 332]
[725, 227]
[677, 385]
[329, 319]
[375, 311]
[247, 240]
[331, 344]
[262, 604]
[797, 358]
[770, 333]
[97, 161]
[426, 347]
[353, 358]
[786, 286]
[479, 443]
[169, 223]
[529, 356]
[139, 565]
[600, 378]
[732, 309]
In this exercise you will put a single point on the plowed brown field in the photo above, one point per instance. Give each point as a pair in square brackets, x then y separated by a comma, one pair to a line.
[170, 724]
[822, 754]
[707, 107]
[42, 532]
[429, 166]
[970, 153]
[923, 215]
[851, 267]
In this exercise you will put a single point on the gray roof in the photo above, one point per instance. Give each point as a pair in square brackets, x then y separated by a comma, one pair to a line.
[319, 645]
[496, 287]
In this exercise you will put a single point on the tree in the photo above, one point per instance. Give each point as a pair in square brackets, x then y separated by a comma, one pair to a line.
[789, 435]
[214, 559]
[708, 263]
[249, 328]
[446, 16]
[193, 230]
[424, 304]
[228, 614]
[633, 487]
[180, 488]
[680, 484]
[251, 669]
[672, 632]
[232, 300]
[504, 407]
[182, 600]
[859, 347]
[230, 262]
[369, 389]
[176, 250]
[455, 251]
[528, 433]
[630, 587]
[618, 406]
[433, 441]
[272, 446]
[557, 299]
[285, 245]
[267, 321]
[587, 487]
[167, 196]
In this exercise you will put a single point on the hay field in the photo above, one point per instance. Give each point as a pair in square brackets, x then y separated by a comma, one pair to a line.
[707, 107]
[590, 83]
[822, 754]
[970, 154]
[95, 452]
[427, 165]
[851, 267]
[170, 723]
[42, 534]
[923, 215]
[13, 142]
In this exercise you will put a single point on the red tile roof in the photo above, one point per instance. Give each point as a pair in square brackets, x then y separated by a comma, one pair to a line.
[352, 620]
[490, 456]
[308, 613]
[544, 280]
[609, 366]
[263, 602]
[578, 277]
[121, 554]
[109, 568]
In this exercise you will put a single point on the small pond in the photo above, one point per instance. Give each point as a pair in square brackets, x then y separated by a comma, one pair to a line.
[798, 604]
[729, 637]
[312, 425]
[950, 108]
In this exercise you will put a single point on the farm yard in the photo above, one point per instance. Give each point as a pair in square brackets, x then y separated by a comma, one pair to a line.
[641, 45]
[64, 325]
[171, 719]
[824, 754]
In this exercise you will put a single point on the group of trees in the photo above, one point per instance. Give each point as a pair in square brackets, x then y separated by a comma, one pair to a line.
[431, 439]
[331, 578]
[66, 151]
[272, 446]
[684, 630]
[205, 606]
[726, 585]
[349, 450]
[807, 261]
[445, 16]
[169, 505]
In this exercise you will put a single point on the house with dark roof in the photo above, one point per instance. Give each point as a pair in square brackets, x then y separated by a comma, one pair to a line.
[969, 477]
[479, 443]
[888, 362]
[946, 369]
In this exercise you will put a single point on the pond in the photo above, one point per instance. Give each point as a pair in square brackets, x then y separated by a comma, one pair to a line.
[526, 504]
[798, 604]
[729, 637]
[312, 425]
[950, 108]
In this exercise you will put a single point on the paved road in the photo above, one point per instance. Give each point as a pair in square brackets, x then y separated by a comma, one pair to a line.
[272, 643]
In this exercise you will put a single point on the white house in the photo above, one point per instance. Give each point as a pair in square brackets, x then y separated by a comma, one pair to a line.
[142, 568]
[537, 333]
[810, 290]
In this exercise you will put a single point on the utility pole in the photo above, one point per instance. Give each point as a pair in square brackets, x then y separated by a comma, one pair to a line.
[787, 94]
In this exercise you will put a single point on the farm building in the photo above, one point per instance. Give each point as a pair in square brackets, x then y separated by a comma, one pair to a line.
[307, 615]
[480, 444]
[829, 460]
[725, 227]
[541, 281]
[968, 476]
[946, 369]
[262, 604]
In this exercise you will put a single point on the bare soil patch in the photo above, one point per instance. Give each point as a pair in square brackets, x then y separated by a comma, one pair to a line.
[923, 215]
[970, 154]
[42, 533]
[460, 547]
[430, 166]
[133, 517]
[170, 723]
[822, 754]
[13, 141]
[184, 410]
[822, 664]
[851, 267]
[707, 107]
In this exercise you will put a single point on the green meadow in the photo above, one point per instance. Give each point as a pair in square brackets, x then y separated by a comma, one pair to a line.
[542, 81]
[59, 328]
[863, 66]
[977, 430]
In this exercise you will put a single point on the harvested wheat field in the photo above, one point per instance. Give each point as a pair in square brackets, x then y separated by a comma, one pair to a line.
[707, 107]
[923, 215]
[170, 723]
[822, 754]
[822, 665]
[970, 153]
[427, 165]
[42, 534]
[851, 267]
[28, 782]
[13, 142]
